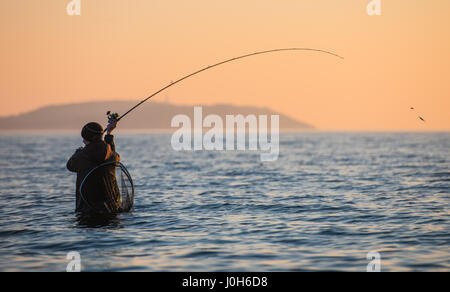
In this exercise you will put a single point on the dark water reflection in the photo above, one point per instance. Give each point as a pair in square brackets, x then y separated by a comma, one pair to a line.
[97, 220]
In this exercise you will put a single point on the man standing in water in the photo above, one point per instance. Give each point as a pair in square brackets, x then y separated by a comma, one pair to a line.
[100, 193]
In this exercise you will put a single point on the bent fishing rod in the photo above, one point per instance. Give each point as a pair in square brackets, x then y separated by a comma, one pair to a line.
[116, 117]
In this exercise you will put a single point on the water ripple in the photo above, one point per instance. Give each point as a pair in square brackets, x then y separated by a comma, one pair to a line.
[328, 200]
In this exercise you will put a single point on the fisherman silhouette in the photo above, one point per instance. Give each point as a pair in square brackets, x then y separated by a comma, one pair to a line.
[100, 193]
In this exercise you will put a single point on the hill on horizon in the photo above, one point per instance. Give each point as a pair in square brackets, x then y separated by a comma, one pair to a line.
[152, 115]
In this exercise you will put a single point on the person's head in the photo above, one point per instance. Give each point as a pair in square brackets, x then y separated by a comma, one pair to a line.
[92, 132]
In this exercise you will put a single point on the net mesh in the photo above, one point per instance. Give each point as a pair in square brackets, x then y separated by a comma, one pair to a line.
[108, 188]
[126, 190]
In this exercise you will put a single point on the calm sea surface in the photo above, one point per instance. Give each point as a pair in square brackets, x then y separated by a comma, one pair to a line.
[329, 200]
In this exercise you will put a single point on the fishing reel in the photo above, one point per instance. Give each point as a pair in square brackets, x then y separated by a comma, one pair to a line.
[112, 117]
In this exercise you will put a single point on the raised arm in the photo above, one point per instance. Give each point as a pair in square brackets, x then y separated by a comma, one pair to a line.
[109, 139]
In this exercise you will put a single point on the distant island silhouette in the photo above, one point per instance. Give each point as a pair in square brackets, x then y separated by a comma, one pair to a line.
[154, 116]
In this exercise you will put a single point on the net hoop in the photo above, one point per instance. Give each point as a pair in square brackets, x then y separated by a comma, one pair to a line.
[124, 171]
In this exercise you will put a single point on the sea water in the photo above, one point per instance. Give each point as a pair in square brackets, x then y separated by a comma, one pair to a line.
[328, 201]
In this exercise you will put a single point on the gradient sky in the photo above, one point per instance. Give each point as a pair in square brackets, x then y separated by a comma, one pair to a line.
[128, 49]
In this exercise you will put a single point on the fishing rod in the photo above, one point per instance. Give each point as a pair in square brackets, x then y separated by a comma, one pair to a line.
[116, 117]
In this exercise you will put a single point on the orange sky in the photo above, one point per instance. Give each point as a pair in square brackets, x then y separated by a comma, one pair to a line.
[128, 49]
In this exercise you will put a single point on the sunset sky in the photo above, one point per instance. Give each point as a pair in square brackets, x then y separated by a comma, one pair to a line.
[126, 50]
